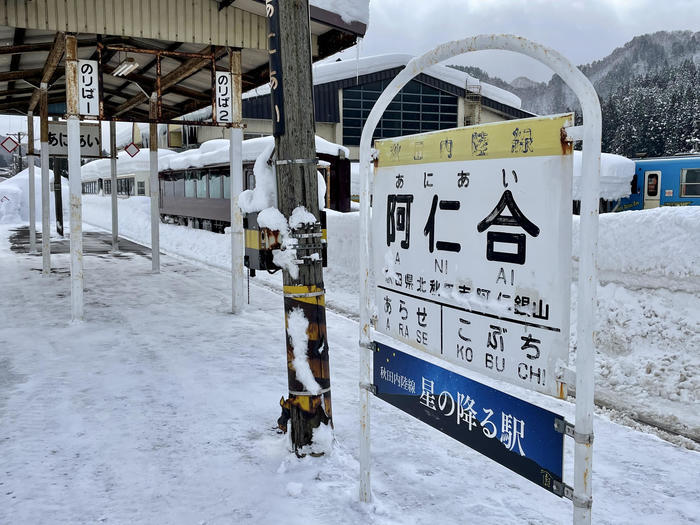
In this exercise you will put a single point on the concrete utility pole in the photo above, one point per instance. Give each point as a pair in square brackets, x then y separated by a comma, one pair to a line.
[297, 185]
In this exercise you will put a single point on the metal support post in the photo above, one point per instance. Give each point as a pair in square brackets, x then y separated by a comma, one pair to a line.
[113, 184]
[236, 171]
[32, 183]
[153, 184]
[76, 215]
[45, 193]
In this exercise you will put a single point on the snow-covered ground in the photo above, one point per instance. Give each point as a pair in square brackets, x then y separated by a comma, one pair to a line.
[160, 407]
[648, 337]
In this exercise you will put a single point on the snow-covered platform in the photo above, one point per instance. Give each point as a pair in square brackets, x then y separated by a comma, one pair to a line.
[94, 243]
[160, 408]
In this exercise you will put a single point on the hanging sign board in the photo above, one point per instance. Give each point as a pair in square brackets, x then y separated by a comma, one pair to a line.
[88, 91]
[224, 99]
[512, 432]
[276, 80]
[471, 232]
[90, 135]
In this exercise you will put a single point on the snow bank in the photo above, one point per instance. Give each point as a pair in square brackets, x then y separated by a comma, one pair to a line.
[661, 242]
[349, 11]
[216, 151]
[14, 197]
[125, 164]
[616, 174]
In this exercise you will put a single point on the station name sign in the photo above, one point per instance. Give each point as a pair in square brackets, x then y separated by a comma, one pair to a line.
[90, 139]
[471, 232]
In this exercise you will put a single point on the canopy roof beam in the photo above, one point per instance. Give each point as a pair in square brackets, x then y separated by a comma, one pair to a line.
[50, 66]
[187, 69]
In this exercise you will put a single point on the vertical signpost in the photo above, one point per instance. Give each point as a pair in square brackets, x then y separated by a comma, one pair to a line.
[470, 242]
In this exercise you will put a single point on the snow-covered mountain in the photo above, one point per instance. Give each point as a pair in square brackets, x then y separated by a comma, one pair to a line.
[642, 55]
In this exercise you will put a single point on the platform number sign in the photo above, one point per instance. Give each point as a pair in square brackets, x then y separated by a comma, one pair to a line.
[472, 247]
[88, 90]
[224, 98]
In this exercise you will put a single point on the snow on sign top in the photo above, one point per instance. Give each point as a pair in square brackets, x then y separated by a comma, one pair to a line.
[471, 235]
[9, 144]
[132, 149]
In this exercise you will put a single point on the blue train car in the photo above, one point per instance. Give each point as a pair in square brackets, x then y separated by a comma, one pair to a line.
[664, 181]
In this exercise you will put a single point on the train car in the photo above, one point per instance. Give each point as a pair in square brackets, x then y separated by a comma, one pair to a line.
[133, 174]
[195, 184]
[664, 181]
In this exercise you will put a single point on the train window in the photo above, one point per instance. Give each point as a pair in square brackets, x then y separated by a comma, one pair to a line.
[690, 182]
[142, 187]
[214, 185]
[227, 185]
[201, 184]
[190, 184]
[108, 187]
[130, 186]
[633, 185]
[652, 185]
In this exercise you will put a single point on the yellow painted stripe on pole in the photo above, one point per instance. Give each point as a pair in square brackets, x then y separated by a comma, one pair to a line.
[314, 299]
[532, 137]
[252, 239]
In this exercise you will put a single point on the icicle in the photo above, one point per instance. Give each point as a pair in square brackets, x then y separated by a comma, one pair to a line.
[357, 60]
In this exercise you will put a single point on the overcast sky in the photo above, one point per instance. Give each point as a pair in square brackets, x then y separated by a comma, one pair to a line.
[582, 30]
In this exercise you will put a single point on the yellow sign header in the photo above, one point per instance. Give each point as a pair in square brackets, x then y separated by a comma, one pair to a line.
[531, 137]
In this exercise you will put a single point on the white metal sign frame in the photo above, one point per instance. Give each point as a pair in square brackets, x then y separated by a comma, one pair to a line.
[591, 136]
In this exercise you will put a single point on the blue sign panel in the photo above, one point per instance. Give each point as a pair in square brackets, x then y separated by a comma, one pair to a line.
[516, 434]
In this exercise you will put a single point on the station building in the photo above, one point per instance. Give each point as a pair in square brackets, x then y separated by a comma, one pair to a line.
[345, 91]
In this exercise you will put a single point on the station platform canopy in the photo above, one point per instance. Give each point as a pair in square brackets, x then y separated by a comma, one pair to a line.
[173, 48]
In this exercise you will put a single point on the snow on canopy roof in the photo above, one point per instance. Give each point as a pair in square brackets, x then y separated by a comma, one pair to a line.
[324, 72]
[216, 151]
[616, 173]
[125, 164]
[348, 10]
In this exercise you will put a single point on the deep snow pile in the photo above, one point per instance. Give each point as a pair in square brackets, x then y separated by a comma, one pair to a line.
[616, 174]
[14, 197]
[656, 247]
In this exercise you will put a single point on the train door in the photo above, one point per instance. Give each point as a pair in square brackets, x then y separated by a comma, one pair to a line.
[652, 189]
